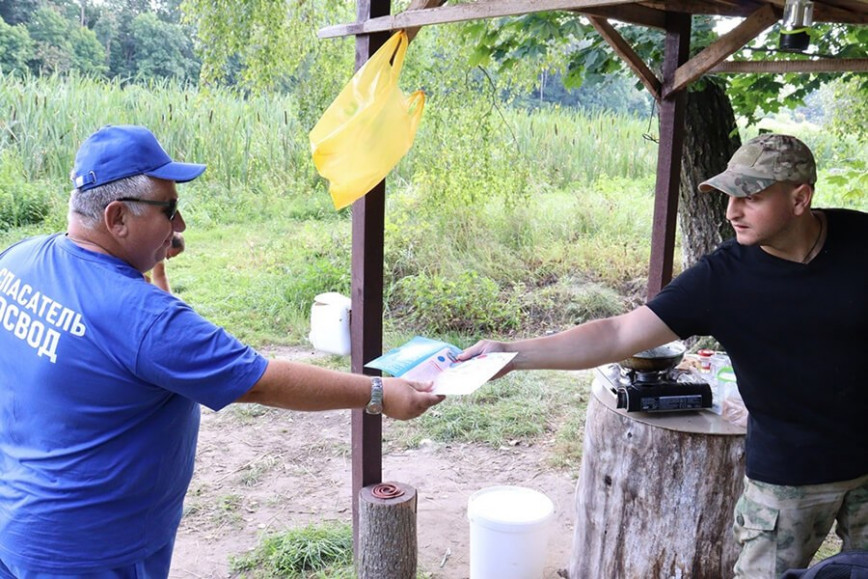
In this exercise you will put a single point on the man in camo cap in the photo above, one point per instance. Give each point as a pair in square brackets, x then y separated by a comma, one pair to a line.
[788, 301]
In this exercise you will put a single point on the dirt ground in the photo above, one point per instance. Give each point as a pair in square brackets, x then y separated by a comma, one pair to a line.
[263, 471]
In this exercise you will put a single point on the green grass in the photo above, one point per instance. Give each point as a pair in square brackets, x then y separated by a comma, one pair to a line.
[310, 552]
[521, 408]
[321, 551]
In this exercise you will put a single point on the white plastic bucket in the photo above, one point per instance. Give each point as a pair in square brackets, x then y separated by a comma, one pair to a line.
[330, 323]
[509, 528]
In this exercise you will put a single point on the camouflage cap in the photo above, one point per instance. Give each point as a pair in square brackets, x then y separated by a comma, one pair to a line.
[762, 162]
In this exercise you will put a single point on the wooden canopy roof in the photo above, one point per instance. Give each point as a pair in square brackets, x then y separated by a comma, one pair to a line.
[758, 15]
[653, 13]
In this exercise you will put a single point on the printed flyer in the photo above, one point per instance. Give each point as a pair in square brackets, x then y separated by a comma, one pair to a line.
[425, 360]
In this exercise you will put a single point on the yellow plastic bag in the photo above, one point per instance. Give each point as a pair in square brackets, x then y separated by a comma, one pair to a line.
[369, 127]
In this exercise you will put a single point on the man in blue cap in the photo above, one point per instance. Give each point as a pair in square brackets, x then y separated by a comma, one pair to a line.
[788, 300]
[102, 375]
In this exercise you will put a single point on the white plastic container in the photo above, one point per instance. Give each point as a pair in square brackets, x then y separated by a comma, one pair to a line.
[509, 528]
[330, 323]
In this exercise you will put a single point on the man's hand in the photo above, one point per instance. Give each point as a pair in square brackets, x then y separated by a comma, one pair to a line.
[404, 400]
[487, 347]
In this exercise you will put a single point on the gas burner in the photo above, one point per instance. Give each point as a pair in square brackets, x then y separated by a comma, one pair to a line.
[640, 378]
[657, 391]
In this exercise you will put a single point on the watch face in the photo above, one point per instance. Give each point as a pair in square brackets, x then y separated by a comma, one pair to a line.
[374, 408]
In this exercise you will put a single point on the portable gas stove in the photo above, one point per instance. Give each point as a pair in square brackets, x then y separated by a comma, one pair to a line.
[667, 390]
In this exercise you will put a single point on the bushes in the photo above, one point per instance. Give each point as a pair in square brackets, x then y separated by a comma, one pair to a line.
[21, 203]
[467, 304]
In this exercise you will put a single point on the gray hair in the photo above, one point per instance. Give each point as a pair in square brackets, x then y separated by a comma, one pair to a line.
[89, 205]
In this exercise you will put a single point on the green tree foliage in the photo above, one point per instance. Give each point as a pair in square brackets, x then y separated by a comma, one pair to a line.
[752, 93]
[163, 50]
[88, 55]
[52, 48]
[273, 43]
[108, 31]
[568, 44]
[116, 34]
[17, 11]
[845, 106]
[16, 48]
[61, 45]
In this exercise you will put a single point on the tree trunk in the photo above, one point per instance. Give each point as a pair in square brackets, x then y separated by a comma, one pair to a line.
[387, 532]
[652, 502]
[711, 138]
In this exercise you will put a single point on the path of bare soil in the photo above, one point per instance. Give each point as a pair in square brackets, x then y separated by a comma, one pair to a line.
[263, 471]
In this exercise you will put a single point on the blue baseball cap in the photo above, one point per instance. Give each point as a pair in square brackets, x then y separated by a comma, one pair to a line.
[119, 151]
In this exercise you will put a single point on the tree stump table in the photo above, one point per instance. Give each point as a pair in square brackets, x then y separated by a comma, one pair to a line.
[655, 494]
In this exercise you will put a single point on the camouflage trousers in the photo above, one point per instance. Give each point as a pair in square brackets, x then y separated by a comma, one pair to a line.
[781, 527]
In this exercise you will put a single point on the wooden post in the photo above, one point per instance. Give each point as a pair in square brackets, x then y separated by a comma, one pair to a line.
[387, 532]
[653, 502]
[366, 327]
[677, 47]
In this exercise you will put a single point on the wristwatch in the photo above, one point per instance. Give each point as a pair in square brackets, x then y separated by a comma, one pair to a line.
[375, 406]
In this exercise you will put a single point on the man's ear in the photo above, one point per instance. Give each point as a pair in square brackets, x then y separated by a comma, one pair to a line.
[802, 196]
[115, 217]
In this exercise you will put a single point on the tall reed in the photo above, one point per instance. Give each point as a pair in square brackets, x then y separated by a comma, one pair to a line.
[251, 145]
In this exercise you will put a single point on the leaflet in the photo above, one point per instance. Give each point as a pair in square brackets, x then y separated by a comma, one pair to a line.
[425, 360]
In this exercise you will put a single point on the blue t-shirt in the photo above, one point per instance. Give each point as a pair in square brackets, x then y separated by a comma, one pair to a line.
[101, 377]
[797, 335]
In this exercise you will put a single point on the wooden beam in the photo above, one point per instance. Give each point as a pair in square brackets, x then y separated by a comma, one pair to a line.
[793, 66]
[672, 111]
[460, 13]
[843, 11]
[625, 51]
[713, 7]
[421, 5]
[366, 286]
[631, 14]
[722, 48]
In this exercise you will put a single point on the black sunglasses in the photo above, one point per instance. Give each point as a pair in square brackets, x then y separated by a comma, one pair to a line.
[171, 207]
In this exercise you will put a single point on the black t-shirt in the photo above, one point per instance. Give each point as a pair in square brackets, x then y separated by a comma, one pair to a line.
[797, 335]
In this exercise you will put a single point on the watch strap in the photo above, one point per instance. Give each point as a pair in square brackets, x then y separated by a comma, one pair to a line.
[375, 406]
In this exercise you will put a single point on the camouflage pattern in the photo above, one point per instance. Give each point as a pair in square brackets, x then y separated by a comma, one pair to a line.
[762, 162]
[781, 527]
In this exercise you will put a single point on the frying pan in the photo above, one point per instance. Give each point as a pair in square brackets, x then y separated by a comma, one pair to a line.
[656, 359]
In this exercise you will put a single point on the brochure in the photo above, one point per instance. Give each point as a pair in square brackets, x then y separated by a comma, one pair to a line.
[425, 360]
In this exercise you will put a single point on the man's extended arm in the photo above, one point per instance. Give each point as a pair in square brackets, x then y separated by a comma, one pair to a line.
[298, 386]
[584, 346]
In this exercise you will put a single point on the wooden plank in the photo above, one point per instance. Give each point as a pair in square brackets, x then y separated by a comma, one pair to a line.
[843, 11]
[793, 66]
[852, 6]
[712, 7]
[366, 326]
[421, 5]
[723, 47]
[625, 51]
[672, 109]
[631, 14]
[459, 13]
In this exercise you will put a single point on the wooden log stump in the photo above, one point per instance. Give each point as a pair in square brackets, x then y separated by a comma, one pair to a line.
[387, 532]
[655, 495]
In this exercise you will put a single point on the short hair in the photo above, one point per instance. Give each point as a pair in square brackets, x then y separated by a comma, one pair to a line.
[89, 205]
